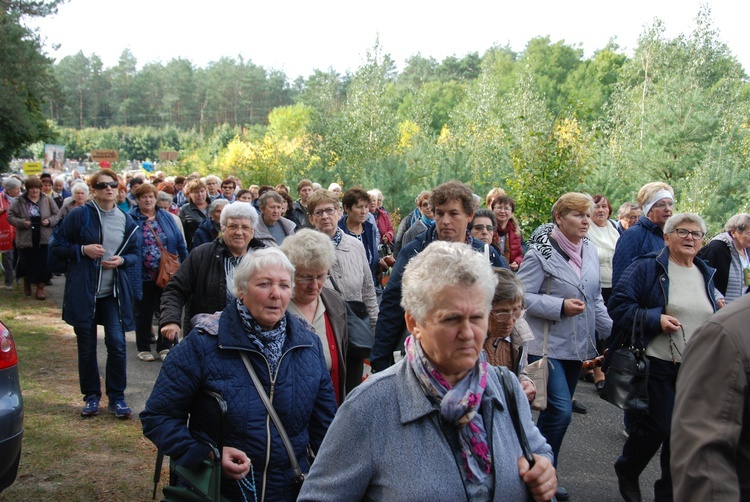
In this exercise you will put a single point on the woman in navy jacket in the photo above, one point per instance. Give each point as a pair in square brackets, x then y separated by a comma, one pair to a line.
[153, 222]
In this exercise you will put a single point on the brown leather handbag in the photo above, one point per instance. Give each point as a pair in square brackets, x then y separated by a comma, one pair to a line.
[168, 263]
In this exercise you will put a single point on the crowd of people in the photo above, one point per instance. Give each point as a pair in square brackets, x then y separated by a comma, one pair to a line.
[448, 295]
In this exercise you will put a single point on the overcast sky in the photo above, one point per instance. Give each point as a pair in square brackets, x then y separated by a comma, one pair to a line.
[299, 36]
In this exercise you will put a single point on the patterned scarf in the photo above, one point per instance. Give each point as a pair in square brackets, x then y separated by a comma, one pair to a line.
[336, 238]
[459, 406]
[269, 342]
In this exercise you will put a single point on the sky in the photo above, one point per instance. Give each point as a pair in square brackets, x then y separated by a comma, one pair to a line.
[299, 36]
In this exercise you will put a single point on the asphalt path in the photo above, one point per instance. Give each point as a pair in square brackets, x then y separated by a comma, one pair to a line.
[592, 444]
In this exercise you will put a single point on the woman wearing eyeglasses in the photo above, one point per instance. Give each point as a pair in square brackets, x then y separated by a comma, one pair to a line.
[667, 294]
[483, 226]
[99, 242]
[508, 333]
[728, 254]
[508, 236]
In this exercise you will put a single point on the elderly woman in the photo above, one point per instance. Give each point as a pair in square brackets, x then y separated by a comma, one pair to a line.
[508, 233]
[324, 310]
[408, 220]
[213, 184]
[438, 421]
[354, 222]
[627, 215]
[289, 361]
[508, 335]
[164, 201]
[200, 285]
[483, 226]
[645, 235]
[728, 254]
[667, 295]
[564, 304]
[382, 220]
[350, 274]
[157, 231]
[210, 228]
[195, 211]
[80, 195]
[33, 214]
[11, 190]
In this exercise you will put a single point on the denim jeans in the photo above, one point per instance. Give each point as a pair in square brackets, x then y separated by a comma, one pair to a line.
[553, 422]
[108, 315]
[649, 431]
[8, 267]
[144, 312]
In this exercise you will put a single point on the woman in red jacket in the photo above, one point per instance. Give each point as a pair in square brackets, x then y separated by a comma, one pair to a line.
[508, 234]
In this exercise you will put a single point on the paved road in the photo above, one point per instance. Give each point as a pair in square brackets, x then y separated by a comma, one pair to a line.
[591, 445]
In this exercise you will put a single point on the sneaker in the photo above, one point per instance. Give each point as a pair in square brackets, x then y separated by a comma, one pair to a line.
[120, 409]
[146, 356]
[91, 408]
[163, 354]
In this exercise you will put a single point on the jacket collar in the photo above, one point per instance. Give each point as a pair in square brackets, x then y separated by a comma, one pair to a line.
[649, 225]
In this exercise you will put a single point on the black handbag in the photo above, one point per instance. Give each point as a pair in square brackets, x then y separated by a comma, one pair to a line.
[626, 385]
[358, 327]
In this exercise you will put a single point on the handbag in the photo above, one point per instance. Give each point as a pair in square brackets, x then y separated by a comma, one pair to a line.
[168, 263]
[299, 476]
[510, 399]
[626, 385]
[358, 326]
[538, 371]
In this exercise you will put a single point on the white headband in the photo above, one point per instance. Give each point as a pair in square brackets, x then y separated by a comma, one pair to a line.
[661, 194]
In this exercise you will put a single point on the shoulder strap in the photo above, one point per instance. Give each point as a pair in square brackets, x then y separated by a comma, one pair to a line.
[158, 242]
[510, 400]
[546, 322]
[276, 420]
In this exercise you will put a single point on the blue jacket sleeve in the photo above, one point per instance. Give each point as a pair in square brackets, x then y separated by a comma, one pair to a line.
[626, 250]
[628, 301]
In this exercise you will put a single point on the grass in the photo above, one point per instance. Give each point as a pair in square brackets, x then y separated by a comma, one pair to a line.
[67, 457]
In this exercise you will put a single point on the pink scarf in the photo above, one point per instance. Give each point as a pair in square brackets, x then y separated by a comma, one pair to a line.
[574, 251]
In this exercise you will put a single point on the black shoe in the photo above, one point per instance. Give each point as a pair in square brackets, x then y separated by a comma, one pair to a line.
[579, 408]
[587, 377]
[599, 387]
[629, 487]
[562, 493]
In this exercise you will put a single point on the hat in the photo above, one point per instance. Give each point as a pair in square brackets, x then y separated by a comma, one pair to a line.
[45, 175]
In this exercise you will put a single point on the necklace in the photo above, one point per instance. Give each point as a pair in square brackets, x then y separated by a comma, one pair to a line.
[673, 346]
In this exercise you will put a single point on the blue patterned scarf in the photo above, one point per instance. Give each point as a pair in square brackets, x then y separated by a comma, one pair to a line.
[459, 406]
[269, 342]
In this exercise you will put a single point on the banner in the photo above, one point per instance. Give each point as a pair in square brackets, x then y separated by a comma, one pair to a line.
[54, 156]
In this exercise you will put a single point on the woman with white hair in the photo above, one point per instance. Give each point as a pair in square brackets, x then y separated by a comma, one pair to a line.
[324, 310]
[11, 190]
[80, 195]
[213, 185]
[255, 329]
[728, 254]
[209, 229]
[662, 297]
[438, 421]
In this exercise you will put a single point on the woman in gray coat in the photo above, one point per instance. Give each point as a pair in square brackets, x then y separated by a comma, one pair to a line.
[435, 426]
[563, 297]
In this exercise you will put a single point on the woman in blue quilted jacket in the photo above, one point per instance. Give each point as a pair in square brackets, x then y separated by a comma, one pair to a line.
[291, 367]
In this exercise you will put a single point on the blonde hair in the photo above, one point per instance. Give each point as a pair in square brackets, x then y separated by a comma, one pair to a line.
[648, 190]
[572, 201]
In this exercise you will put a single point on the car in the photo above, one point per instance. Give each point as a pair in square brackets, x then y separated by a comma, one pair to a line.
[11, 409]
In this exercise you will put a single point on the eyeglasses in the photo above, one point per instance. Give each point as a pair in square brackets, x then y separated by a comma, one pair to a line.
[662, 205]
[227, 186]
[482, 228]
[505, 316]
[330, 211]
[102, 185]
[307, 279]
[684, 232]
[235, 227]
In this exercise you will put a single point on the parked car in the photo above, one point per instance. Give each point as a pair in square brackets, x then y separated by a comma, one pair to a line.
[11, 409]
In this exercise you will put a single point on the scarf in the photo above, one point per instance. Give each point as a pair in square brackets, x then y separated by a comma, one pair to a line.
[459, 406]
[574, 251]
[269, 342]
[336, 238]
[426, 220]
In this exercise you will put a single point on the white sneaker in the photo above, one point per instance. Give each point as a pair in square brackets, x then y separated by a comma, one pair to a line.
[146, 356]
[163, 354]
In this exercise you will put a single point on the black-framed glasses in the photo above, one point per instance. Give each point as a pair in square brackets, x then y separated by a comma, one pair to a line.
[330, 211]
[103, 184]
[682, 233]
[482, 228]
[234, 227]
[505, 315]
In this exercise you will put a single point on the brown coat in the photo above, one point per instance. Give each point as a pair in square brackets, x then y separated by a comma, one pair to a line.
[710, 437]
[19, 213]
[503, 353]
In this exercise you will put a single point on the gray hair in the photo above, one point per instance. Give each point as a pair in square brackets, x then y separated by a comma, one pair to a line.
[162, 195]
[739, 223]
[440, 265]
[11, 183]
[678, 218]
[483, 213]
[216, 204]
[79, 187]
[240, 210]
[60, 177]
[509, 288]
[256, 261]
[212, 177]
[377, 193]
[271, 194]
[626, 208]
[309, 249]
